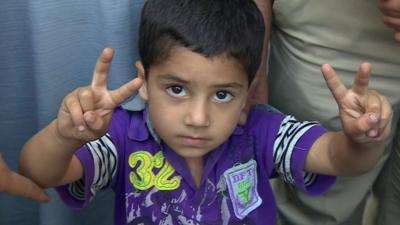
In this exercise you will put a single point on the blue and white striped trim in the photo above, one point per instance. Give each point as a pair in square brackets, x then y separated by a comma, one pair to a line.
[290, 131]
[309, 178]
[77, 189]
[105, 161]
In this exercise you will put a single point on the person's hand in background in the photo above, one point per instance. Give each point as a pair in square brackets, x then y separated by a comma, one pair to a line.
[17, 185]
[391, 15]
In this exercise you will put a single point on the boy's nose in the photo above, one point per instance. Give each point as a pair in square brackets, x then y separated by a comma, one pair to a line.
[198, 115]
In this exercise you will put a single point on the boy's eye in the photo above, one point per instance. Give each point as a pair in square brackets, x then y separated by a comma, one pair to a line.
[223, 96]
[176, 91]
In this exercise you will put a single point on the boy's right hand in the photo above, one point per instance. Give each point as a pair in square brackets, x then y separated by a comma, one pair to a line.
[86, 112]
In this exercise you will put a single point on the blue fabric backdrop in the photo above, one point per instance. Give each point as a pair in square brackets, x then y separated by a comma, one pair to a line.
[48, 48]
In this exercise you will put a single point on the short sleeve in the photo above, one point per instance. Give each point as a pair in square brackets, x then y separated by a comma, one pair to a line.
[291, 146]
[99, 159]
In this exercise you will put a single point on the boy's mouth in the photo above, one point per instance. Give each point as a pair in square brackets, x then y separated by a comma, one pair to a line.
[194, 141]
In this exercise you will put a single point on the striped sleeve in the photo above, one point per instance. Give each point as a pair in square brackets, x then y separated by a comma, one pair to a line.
[105, 161]
[290, 132]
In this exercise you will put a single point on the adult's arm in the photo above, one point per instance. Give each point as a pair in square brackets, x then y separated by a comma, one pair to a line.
[258, 92]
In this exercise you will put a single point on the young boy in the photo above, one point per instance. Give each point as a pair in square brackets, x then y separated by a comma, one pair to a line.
[184, 159]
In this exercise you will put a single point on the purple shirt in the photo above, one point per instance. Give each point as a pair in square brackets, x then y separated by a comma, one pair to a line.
[153, 184]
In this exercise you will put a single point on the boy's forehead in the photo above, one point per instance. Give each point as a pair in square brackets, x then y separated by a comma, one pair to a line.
[186, 56]
[186, 62]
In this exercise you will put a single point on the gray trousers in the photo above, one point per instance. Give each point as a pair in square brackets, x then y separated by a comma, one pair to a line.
[387, 189]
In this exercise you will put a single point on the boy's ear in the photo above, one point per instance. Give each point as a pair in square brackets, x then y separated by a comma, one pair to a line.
[142, 76]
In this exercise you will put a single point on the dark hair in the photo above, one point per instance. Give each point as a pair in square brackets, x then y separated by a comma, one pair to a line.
[233, 28]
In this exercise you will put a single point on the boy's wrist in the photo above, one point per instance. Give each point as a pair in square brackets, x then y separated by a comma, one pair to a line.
[68, 142]
[363, 145]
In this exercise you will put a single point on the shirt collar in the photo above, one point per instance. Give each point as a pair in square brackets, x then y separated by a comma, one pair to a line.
[140, 127]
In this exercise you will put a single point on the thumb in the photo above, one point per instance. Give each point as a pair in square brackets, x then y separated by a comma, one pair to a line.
[125, 91]
[367, 124]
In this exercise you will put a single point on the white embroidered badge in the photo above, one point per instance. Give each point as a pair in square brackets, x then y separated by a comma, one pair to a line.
[242, 185]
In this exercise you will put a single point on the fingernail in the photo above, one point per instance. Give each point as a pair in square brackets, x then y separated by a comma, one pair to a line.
[373, 117]
[81, 128]
[372, 133]
[88, 117]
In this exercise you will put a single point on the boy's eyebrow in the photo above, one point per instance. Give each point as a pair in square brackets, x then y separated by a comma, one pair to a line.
[170, 77]
[229, 85]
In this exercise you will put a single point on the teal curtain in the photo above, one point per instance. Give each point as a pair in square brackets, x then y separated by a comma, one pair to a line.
[48, 48]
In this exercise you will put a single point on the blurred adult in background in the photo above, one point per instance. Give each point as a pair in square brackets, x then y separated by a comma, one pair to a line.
[306, 34]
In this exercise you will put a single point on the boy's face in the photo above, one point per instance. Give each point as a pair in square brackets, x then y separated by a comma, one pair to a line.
[194, 102]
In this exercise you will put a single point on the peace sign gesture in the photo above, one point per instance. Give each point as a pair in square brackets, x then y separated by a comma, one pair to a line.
[365, 114]
[86, 112]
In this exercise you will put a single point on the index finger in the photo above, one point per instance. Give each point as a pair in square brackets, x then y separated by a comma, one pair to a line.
[333, 82]
[360, 84]
[102, 68]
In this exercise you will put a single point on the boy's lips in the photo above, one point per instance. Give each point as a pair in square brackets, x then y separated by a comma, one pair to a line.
[194, 141]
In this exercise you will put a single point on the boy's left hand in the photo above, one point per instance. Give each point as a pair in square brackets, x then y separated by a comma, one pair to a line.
[366, 115]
